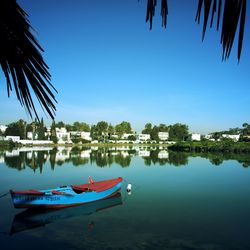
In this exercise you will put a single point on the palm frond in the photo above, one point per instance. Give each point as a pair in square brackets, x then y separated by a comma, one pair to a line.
[22, 62]
[234, 15]
[151, 12]
[164, 12]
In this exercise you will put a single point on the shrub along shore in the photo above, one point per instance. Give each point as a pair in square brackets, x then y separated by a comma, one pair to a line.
[212, 146]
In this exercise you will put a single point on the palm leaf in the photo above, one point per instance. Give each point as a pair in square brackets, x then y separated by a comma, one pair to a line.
[234, 16]
[151, 12]
[22, 62]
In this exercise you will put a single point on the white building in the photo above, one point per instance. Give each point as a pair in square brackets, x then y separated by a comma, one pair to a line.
[208, 136]
[81, 134]
[195, 137]
[32, 136]
[86, 136]
[163, 136]
[232, 137]
[12, 138]
[3, 128]
[143, 137]
[62, 135]
[36, 142]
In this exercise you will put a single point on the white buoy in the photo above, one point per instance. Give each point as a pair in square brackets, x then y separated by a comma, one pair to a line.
[129, 188]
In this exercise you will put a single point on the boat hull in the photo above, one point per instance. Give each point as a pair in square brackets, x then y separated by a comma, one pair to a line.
[64, 197]
[33, 218]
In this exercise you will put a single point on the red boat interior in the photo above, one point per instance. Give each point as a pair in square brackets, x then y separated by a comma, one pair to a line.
[96, 186]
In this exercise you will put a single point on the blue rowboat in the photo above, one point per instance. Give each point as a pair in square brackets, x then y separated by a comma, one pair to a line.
[66, 196]
[34, 218]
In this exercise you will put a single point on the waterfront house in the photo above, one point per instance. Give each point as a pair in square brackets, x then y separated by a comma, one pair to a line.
[80, 134]
[32, 136]
[86, 136]
[3, 128]
[63, 136]
[195, 137]
[232, 137]
[12, 138]
[209, 137]
[143, 137]
[163, 136]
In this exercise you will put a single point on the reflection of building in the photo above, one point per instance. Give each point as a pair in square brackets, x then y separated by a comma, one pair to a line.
[144, 153]
[29, 155]
[124, 153]
[163, 136]
[86, 153]
[62, 154]
[163, 154]
[12, 153]
[1, 159]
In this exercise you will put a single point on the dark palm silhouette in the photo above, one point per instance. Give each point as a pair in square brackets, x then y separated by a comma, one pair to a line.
[24, 67]
[21, 60]
[234, 15]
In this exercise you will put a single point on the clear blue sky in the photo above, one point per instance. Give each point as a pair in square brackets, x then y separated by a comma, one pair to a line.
[107, 65]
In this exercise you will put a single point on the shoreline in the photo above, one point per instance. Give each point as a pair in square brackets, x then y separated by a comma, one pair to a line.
[187, 146]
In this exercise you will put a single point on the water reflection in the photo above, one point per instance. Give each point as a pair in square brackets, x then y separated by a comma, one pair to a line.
[35, 158]
[34, 218]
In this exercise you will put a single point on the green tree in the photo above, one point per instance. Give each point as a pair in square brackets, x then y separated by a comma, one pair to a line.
[53, 132]
[17, 129]
[102, 130]
[131, 138]
[154, 133]
[69, 127]
[111, 130]
[41, 131]
[147, 128]
[163, 128]
[178, 132]
[80, 126]
[122, 128]
[60, 124]
[246, 129]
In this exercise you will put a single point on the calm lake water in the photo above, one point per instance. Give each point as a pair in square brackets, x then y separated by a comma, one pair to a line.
[178, 201]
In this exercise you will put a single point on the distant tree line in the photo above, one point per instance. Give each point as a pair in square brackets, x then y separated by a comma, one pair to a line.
[244, 132]
[177, 132]
[103, 131]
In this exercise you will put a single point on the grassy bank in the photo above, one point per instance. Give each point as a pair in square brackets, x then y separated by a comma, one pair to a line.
[210, 146]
